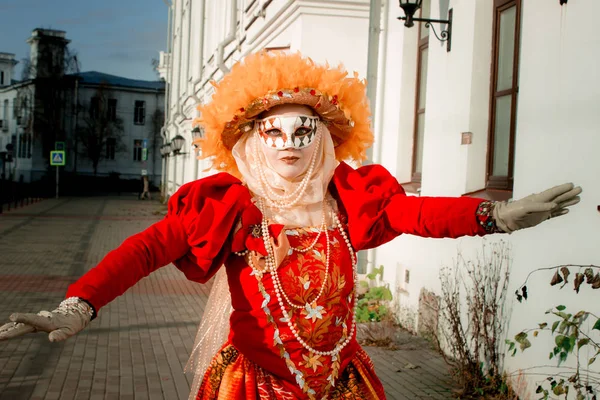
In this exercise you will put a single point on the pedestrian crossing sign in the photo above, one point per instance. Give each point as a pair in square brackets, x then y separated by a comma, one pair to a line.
[57, 158]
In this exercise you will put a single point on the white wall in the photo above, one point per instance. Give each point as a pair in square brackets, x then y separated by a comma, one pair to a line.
[457, 101]
[557, 141]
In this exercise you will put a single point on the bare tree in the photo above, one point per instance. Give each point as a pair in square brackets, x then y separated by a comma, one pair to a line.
[100, 125]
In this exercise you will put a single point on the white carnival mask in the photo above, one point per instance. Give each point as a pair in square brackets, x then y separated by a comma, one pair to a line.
[279, 132]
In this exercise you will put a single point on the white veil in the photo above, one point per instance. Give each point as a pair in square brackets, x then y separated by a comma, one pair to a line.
[213, 330]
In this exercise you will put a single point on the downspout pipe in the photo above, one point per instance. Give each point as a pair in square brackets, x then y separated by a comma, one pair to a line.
[167, 111]
[228, 39]
[380, 98]
[170, 64]
[201, 49]
[179, 69]
[372, 69]
[373, 62]
[163, 164]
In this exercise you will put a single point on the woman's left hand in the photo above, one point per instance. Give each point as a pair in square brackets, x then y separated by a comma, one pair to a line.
[536, 208]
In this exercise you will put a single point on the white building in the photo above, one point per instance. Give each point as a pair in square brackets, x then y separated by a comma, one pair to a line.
[140, 106]
[9, 125]
[207, 37]
[26, 126]
[512, 109]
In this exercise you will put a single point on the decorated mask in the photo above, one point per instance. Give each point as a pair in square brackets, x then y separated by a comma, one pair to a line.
[285, 132]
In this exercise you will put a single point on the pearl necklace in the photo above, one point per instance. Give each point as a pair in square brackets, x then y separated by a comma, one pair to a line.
[270, 263]
[291, 199]
[272, 267]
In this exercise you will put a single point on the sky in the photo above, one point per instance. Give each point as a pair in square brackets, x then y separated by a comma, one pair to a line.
[118, 37]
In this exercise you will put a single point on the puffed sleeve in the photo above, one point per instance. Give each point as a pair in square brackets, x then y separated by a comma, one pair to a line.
[193, 235]
[378, 209]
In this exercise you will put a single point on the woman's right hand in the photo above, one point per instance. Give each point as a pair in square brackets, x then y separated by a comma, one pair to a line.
[69, 318]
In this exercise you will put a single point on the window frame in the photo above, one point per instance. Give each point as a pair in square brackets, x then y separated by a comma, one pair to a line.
[422, 46]
[137, 118]
[137, 155]
[95, 107]
[111, 148]
[111, 112]
[497, 182]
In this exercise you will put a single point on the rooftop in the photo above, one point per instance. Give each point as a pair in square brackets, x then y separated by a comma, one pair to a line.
[97, 78]
[48, 32]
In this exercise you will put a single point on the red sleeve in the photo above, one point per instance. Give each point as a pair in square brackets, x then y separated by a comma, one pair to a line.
[192, 236]
[378, 209]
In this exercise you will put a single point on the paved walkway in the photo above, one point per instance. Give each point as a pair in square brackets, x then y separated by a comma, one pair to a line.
[139, 344]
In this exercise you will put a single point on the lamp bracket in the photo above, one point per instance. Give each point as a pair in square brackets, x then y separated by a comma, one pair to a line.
[445, 35]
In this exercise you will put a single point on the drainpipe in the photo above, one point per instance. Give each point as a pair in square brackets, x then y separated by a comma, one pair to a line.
[201, 49]
[163, 131]
[228, 39]
[163, 170]
[180, 45]
[196, 161]
[372, 67]
[174, 157]
[170, 64]
[378, 128]
[154, 138]
[373, 62]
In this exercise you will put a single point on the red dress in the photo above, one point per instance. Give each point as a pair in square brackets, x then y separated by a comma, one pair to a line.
[262, 358]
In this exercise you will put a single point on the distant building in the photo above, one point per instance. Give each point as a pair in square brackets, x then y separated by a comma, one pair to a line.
[54, 102]
[139, 104]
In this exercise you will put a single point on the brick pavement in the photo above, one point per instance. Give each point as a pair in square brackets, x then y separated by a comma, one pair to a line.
[138, 346]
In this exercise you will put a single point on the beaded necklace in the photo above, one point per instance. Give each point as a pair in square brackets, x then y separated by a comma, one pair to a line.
[271, 267]
[275, 275]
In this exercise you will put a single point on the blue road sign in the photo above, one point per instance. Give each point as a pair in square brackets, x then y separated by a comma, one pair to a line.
[57, 158]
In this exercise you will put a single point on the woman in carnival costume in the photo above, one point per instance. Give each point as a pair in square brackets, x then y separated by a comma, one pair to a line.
[285, 218]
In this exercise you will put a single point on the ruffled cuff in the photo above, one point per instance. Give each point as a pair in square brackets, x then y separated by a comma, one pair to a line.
[485, 217]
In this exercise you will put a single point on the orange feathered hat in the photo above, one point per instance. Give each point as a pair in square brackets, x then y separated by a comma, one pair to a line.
[266, 79]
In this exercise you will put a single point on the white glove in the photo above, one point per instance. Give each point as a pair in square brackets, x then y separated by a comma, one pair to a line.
[536, 208]
[70, 317]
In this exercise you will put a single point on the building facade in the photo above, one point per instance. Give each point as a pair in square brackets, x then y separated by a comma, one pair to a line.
[510, 110]
[56, 103]
[139, 107]
[10, 126]
[206, 38]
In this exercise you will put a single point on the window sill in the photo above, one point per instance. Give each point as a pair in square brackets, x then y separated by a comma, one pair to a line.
[412, 187]
[491, 194]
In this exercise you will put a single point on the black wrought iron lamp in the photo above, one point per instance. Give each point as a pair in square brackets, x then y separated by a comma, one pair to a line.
[176, 144]
[165, 149]
[410, 7]
[197, 133]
